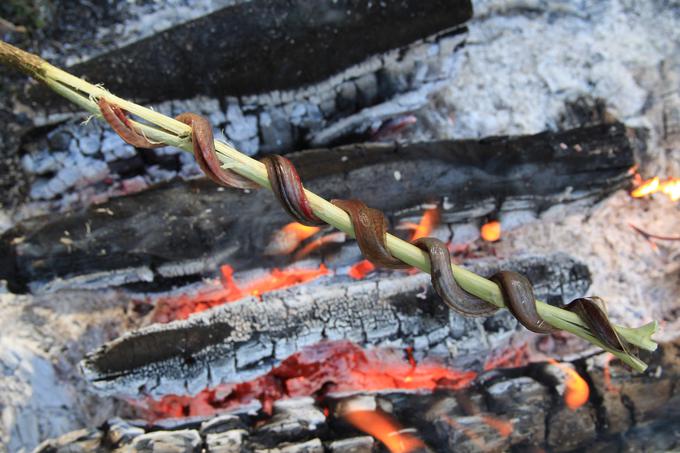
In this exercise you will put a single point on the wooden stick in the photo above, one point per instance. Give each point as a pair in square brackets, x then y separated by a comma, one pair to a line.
[160, 128]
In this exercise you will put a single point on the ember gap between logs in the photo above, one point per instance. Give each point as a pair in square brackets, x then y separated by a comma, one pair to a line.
[148, 309]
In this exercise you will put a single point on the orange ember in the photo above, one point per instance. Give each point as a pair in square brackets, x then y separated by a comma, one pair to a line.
[607, 375]
[491, 231]
[288, 238]
[511, 357]
[577, 391]
[670, 187]
[180, 307]
[427, 223]
[384, 428]
[339, 366]
[360, 270]
[336, 237]
[503, 427]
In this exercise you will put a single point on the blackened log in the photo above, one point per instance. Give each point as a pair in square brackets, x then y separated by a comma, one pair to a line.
[522, 409]
[189, 228]
[240, 340]
[257, 46]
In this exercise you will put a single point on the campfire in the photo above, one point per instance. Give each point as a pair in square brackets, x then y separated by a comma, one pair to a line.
[342, 256]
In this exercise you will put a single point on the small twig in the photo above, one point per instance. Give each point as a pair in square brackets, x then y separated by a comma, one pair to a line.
[649, 236]
[162, 129]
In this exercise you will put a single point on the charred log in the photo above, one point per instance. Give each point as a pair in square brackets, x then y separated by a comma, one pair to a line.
[252, 47]
[244, 339]
[519, 409]
[188, 228]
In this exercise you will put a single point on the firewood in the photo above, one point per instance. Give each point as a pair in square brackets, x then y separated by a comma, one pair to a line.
[235, 341]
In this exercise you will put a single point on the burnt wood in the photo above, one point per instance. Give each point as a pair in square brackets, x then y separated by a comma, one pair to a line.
[239, 340]
[257, 46]
[626, 412]
[189, 228]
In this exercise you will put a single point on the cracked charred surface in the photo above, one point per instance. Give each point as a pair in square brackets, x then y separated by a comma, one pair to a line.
[189, 228]
[244, 339]
[512, 409]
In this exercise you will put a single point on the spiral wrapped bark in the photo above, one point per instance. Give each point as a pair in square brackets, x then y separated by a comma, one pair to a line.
[121, 124]
[370, 228]
[201, 138]
[204, 152]
[287, 188]
[445, 283]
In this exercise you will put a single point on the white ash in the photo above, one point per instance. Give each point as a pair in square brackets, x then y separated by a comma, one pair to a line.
[637, 279]
[525, 60]
[41, 340]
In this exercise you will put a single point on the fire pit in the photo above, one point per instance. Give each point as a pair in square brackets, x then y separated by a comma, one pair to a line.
[146, 309]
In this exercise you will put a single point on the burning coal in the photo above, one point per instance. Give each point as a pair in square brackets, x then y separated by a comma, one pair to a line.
[325, 368]
[491, 231]
[669, 187]
[182, 306]
[576, 392]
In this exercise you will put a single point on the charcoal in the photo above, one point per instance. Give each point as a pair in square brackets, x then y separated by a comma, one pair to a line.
[226, 442]
[120, 432]
[510, 409]
[266, 32]
[220, 424]
[81, 441]
[293, 419]
[168, 442]
[363, 444]
[567, 429]
[310, 446]
[524, 401]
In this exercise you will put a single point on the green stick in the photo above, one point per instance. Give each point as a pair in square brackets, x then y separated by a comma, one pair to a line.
[163, 129]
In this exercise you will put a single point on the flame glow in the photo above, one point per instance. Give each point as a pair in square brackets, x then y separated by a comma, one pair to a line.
[384, 428]
[503, 427]
[330, 238]
[577, 391]
[288, 238]
[180, 307]
[339, 366]
[670, 187]
[491, 231]
[512, 357]
[607, 375]
[360, 270]
[427, 223]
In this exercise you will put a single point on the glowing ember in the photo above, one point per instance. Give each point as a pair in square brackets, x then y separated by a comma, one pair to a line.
[577, 391]
[360, 270]
[491, 231]
[670, 187]
[384, 428]
[503, 427]
[511, 357]
[337, 237]
[427, 223]
[288, 238]
[607, 375]
[180, 307]
[339, 366]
